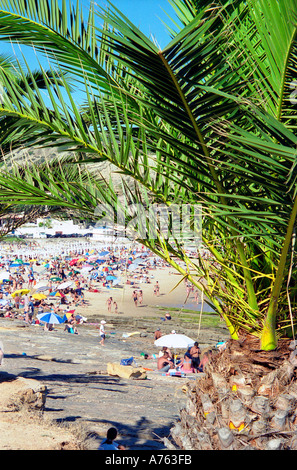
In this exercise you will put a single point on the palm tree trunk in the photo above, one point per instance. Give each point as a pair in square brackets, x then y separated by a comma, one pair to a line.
[268, 337]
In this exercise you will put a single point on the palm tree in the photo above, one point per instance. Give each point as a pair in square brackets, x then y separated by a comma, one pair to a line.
[207, 121]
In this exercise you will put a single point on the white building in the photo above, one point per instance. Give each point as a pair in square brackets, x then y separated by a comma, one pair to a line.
[40, 228]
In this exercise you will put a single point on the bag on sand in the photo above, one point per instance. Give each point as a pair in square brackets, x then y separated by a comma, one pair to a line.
[127, 362]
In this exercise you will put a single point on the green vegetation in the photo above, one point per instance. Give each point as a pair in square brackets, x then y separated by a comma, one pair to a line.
[209, 120]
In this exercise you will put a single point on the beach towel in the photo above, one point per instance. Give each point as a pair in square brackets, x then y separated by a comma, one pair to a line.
[127, 362]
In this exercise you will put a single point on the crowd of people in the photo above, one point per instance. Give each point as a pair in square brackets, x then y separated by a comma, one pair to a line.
[191, 361]
[32, 286]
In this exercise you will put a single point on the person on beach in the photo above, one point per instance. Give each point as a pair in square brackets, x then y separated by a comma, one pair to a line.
[165, 349]
[30, 280]
[70, 328]
[140, 297]
[17, 300]
[186, 363]
[205, 359]
[157, 289]
[108, 443]
[135, 297]
[195, 355]
[30, 310]
[102, 332]
[165, 363]
[196, 296]
[109, 304]
[79, 292]
[1, 353]
[158, 333]
[116, 309]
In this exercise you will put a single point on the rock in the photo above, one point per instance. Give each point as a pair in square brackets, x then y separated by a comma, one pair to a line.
[126, 372]
[237, 415]
[274, 444]
[21, 392]
[44, 357]
[168, 444]
[226, 437]
[279, 418]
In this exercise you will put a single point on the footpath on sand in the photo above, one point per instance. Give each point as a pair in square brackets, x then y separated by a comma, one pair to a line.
[74, 370]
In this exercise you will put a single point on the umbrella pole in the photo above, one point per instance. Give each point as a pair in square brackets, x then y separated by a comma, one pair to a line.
[201, 310]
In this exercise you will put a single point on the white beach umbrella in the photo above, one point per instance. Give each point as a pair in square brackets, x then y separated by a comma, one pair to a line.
[86, 269]
[40, 284]
[175, 341]
[65, 284]
[132, 267]
[4, 275]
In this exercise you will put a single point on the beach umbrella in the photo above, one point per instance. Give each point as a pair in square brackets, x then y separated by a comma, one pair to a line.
[41, 289]
[4, 275]
[65, 284]
[39, 296]
[42, 283]
[50, 317]
[4, 302]
[132, 267]
[104, 253]
[55, 294]
[56, 279]
[110, 278]
[86, 269]
[20, 292]
[139, 261]
[175, 341]
[69, 313]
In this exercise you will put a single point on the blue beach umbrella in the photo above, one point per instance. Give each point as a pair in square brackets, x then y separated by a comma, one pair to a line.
[50, 317]
[110, 278]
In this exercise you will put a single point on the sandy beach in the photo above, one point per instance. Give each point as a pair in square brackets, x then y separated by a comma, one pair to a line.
[172, 295]
[74, 366]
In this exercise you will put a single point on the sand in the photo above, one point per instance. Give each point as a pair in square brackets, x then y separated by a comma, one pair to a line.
[172, 295]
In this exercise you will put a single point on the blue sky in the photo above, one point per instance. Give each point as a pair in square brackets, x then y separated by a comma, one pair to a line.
[145, 14]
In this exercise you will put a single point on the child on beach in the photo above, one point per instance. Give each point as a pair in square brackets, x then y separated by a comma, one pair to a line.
[108, 443]
[140, 297]
[102, 332]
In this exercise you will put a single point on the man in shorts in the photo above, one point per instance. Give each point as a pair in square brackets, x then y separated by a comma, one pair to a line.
[165, 363]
